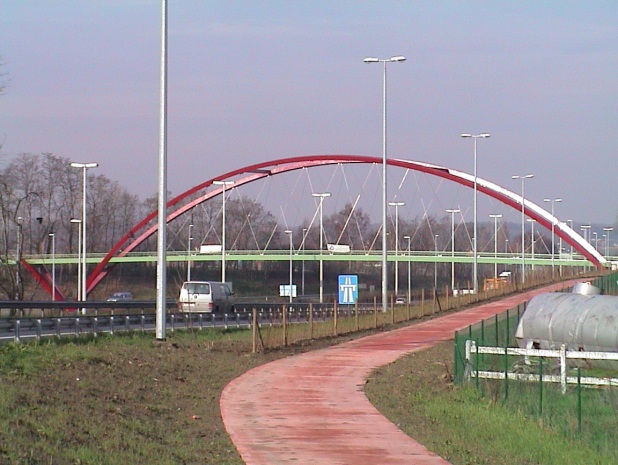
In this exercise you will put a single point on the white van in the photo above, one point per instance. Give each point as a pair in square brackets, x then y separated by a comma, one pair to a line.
[206, 296]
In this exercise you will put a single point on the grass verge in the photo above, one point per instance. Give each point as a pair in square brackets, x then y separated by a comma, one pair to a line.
[125, 399]
[416, 394]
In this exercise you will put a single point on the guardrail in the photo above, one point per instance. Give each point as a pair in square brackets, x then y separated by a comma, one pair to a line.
[111, 317]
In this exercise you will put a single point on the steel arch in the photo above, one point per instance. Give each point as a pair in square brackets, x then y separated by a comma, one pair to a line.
[282, 165]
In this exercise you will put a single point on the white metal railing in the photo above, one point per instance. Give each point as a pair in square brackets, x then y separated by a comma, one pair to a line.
[563, 355]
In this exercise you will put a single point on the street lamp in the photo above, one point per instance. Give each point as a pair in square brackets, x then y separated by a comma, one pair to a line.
[571, 253]
[53, 244]
[409, 275]
[396, 205]
[495, 217]
[224, 184]
[303, 262]
[523, 222]
[586, 230]
[452, 212]
[79, 256]
[475, 279]
[289, 232]
[18, 255]
[84, 167]
[607, 230]
[321, 196]
[189, 253]
[435, 265]
[553, 223]
[532, 241]
[596, 241]
[384, 207]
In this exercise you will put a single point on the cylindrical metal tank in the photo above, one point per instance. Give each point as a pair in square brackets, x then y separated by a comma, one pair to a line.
[582, 322]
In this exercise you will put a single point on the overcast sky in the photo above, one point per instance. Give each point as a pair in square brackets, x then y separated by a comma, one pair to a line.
[251, 81]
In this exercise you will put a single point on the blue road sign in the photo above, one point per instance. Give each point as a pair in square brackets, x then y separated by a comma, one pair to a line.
[348, 289]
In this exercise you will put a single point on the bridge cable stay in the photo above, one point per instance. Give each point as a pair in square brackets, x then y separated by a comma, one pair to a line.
[352, 208]
[352, 213]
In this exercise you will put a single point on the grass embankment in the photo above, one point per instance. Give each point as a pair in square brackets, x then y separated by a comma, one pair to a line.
[126, 399]
[131, 399]
[416, 394]
[121, 400]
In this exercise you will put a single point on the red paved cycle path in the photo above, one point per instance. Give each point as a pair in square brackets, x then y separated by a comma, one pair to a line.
[311, 408]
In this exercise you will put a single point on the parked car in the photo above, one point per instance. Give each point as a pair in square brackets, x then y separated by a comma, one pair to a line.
[400, 300]
[120, 296]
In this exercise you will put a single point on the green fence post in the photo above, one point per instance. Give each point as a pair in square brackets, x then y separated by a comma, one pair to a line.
[508, 329]
[476, 367]
[540, 388]
[483, 331]
[506, 375]
[579, 400]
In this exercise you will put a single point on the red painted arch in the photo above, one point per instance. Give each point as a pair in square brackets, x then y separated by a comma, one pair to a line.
[135, 236]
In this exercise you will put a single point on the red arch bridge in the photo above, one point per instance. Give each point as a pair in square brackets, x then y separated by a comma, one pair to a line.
[188, 200]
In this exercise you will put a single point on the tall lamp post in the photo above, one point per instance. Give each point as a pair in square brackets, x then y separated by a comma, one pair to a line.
[224, 184]
[79, 256]
[189, 253]
[607, 230]
[571, 225]
[409, 275]
[553, 223]
[321, 196]
[532, 241]
[396, 205]
[18, 260]
[435, 266]
[475, 279]
[586, 230]
[452, 212]
[495, 216]
[289, 232]
[523, 223]
[84, 167]
[384, 206]
[52, 236]
[596, 240]
[303, 262]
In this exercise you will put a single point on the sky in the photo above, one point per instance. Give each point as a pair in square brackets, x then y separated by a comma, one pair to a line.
[251, 81]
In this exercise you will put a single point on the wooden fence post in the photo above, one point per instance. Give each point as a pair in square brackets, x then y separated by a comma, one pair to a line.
[254, 329]
[375, 312]
[311, 321]
[335, 318]
[422, 302]
[285, 326]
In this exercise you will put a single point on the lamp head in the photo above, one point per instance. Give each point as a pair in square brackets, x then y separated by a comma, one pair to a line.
[371, 60]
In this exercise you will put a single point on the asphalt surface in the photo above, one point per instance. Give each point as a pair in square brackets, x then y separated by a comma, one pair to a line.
[311, 408]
